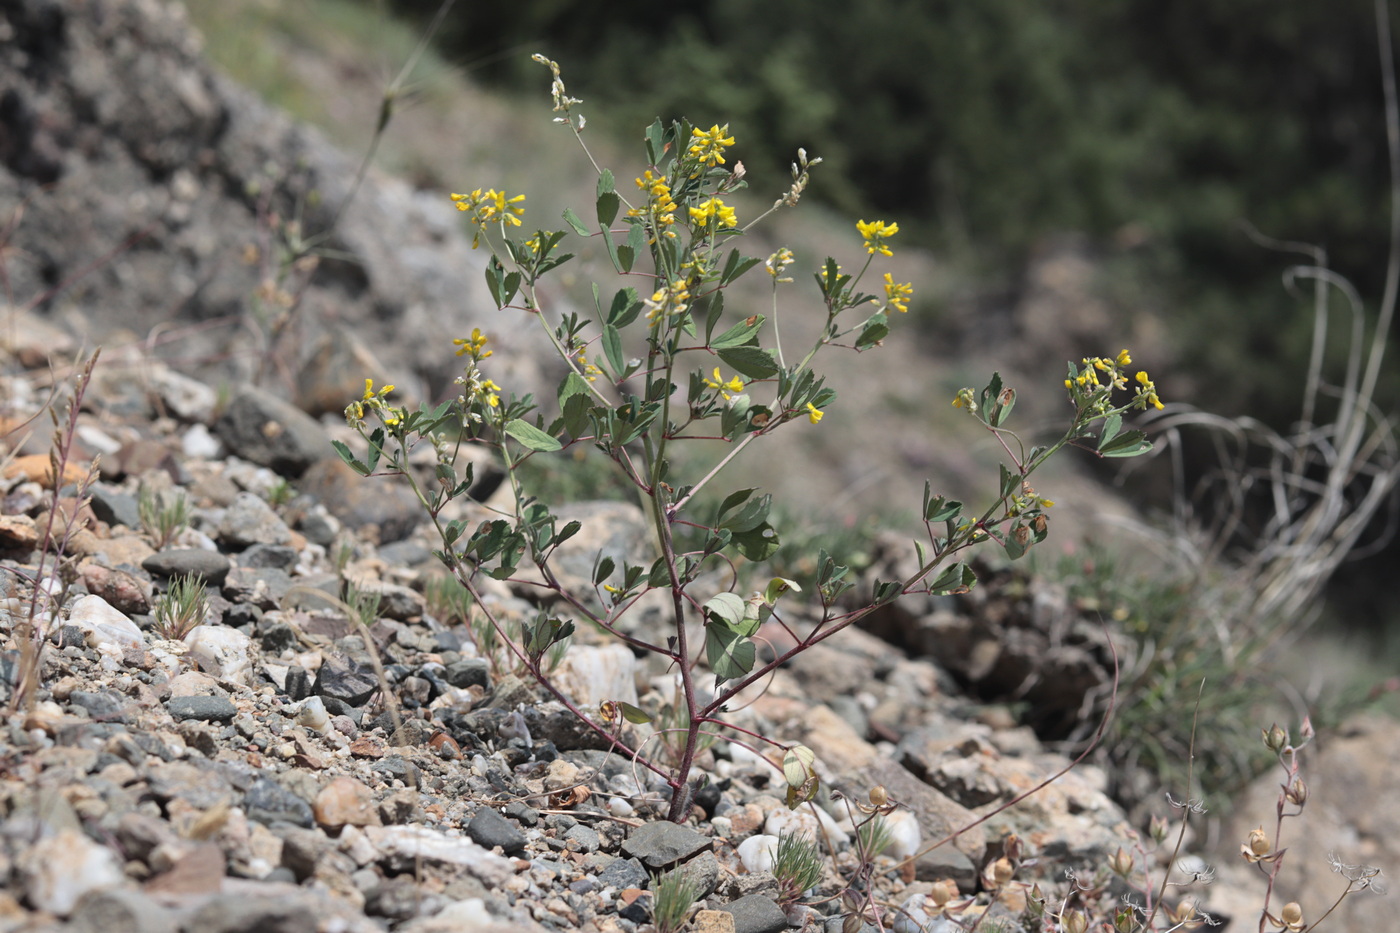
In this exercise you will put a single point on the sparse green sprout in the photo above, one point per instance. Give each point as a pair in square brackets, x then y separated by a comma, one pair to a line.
[163, 517]
[181, 608]
[797, 865]
[363, 604]
[280, 493]
[875, 836]
[673, 895]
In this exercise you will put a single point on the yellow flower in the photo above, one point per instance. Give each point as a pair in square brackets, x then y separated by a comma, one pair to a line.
[1147, 393]
[371, 394]
[897, 295]
[669, 299]
[814, 414]
[713, 210]
[875, 233]
[778, 262]
[1124, 359]
[475, 345]
[708, 145]
[734, 385]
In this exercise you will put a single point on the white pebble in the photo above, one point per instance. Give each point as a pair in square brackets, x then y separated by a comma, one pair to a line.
[757, 852]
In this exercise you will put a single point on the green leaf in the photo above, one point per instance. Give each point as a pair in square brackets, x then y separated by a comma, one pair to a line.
[875, 330]
[799, 770]
[633, 714]
[777, 587]
[612, 348]
[1127, 444]
[752, 513]
[626, 305]
[735, 266]
[726, 609]
[574, 402]
[739, 335]
[940, 509]
[349, 458]
[604, 570]
[1002, 409]
[956, 579]
[730, 656]
[606, 183]
[530, 436]
[1111, 426]
[656, 143]
[758, 543]
[753, 362]
[573, 220]
[735, 499]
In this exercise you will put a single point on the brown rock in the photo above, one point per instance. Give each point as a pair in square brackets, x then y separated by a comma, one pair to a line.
[345, 802]
[37, 468]
[18, 532]
[124, 591]
[713, 921]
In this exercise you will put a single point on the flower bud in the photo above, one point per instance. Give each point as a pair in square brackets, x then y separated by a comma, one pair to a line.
[1297, 793]
[1292, 916]
[1000, 872]
[1121, 863]
[1125, 921]
[1276, 738]
[879, 797]
[1158, 829]
[1076, 922]
[1257, 847]
[942, 892]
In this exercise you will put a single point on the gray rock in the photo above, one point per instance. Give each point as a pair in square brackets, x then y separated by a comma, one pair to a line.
[196, 781]
[264, 587]
[114, 507]
[249, 520]
[469, 671]
[346, 680]
[702, 872]
[232, 913]
[209, 566]
[203, 709]
[268, 802]
[357, 501]
[489, 829]
[272, 432]
[756, 914]
[120, 910]
[661, 845]
[584, 837]
[623, 873]
[277, 556]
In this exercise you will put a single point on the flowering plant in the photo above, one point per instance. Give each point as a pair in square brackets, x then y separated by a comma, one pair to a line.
[673, 365]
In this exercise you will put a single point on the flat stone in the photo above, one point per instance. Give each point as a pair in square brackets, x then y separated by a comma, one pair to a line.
[756, 914]
[61, 868]
[201, 708]
[268, 802]
[272, 432]
[623, 873]
[209, 566]
[115, 507]
[489, 829]
[120, 910]
[661, 845]
[249, 520]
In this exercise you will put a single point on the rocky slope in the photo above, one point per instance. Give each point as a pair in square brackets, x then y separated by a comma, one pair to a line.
[250, 775]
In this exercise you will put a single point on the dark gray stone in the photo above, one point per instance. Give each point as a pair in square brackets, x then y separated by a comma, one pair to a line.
[623, 873]
[279, 556]
[269, 802]
[267, 430]
[469, 671]
[196, 781]
[584, 838]
[757, 914]
[249, 520]
[114, 507]
[489, 829]
[661, 845]
[209, 566]
[203, 709]
[345, 680]
[106, 705]
[264, 587]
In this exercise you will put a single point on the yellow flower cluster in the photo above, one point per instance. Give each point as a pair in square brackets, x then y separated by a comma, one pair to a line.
[778, 262]
[814, 414]
[491, 206]
[661, 207]
[669, 299]
[590, 371]
[734, 385]
[373, 400]
[713, 211]
[708, 145]
[897, 295]
[475, 345]
[876, 232]
[1088, 380]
